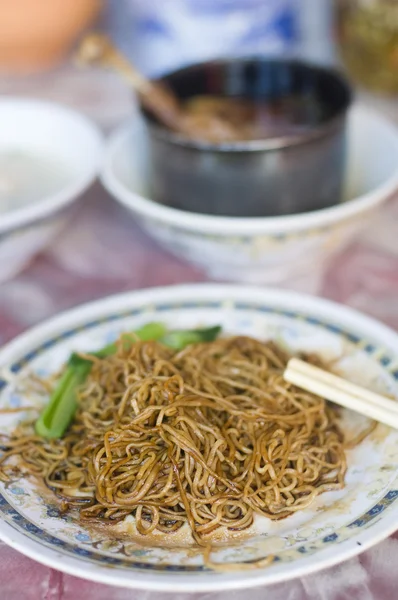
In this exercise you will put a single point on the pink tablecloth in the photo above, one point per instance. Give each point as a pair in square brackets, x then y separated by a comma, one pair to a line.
[102, 252]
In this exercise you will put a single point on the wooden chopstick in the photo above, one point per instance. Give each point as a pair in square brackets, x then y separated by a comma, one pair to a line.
[342, 392]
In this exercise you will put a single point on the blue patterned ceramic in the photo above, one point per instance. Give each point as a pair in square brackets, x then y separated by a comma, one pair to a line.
[162, 35]
[290, 250]
[336, 526]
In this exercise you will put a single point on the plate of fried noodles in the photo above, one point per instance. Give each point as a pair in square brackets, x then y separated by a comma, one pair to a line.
[149, 440]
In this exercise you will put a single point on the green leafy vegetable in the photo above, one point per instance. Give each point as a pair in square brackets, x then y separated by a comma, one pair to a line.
[179, 339]
[59, 412]
[150, 331]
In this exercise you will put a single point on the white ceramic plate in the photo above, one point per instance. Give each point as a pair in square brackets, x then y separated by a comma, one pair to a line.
[337, 526]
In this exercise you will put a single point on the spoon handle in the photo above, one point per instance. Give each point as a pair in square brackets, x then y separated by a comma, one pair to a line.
[97, 49]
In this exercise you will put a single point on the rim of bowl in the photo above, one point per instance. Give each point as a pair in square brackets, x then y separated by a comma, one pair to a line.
[243, 226]
[69, 193]
[266, 145]
[311, 134]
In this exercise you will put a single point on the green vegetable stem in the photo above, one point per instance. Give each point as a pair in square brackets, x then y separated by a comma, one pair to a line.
[57, 415]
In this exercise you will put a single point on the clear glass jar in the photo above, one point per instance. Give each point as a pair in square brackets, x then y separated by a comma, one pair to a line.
[367, 35]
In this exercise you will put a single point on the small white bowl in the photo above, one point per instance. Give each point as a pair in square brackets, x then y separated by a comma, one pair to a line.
[58, 136]
[288, 250]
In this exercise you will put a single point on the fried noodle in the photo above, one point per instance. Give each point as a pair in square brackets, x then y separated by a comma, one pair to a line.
[209, 436]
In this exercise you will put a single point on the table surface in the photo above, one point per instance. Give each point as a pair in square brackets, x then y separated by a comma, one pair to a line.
[76, 269]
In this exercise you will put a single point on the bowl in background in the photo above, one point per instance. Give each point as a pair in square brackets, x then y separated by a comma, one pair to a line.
[287, 250]
[37, 35]
[59, 152]
[298, 168]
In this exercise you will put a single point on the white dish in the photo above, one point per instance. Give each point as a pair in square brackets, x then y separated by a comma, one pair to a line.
[40, 140]
[270, 250]
[336, 527]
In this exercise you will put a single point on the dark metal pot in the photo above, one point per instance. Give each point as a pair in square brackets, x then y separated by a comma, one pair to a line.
[291, 174]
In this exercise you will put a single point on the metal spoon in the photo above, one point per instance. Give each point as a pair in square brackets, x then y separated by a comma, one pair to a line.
[97, 49]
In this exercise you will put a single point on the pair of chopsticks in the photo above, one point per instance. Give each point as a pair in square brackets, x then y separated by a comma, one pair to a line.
[342, 392]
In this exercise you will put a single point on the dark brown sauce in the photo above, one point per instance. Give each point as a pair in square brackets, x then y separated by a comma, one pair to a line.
[224, 118]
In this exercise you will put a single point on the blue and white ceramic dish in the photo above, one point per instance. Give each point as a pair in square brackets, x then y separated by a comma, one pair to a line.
[337, 526]
[162, 36]
[289, 250]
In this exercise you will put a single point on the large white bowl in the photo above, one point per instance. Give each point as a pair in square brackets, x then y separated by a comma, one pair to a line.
[65, 137]
[287, 250]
